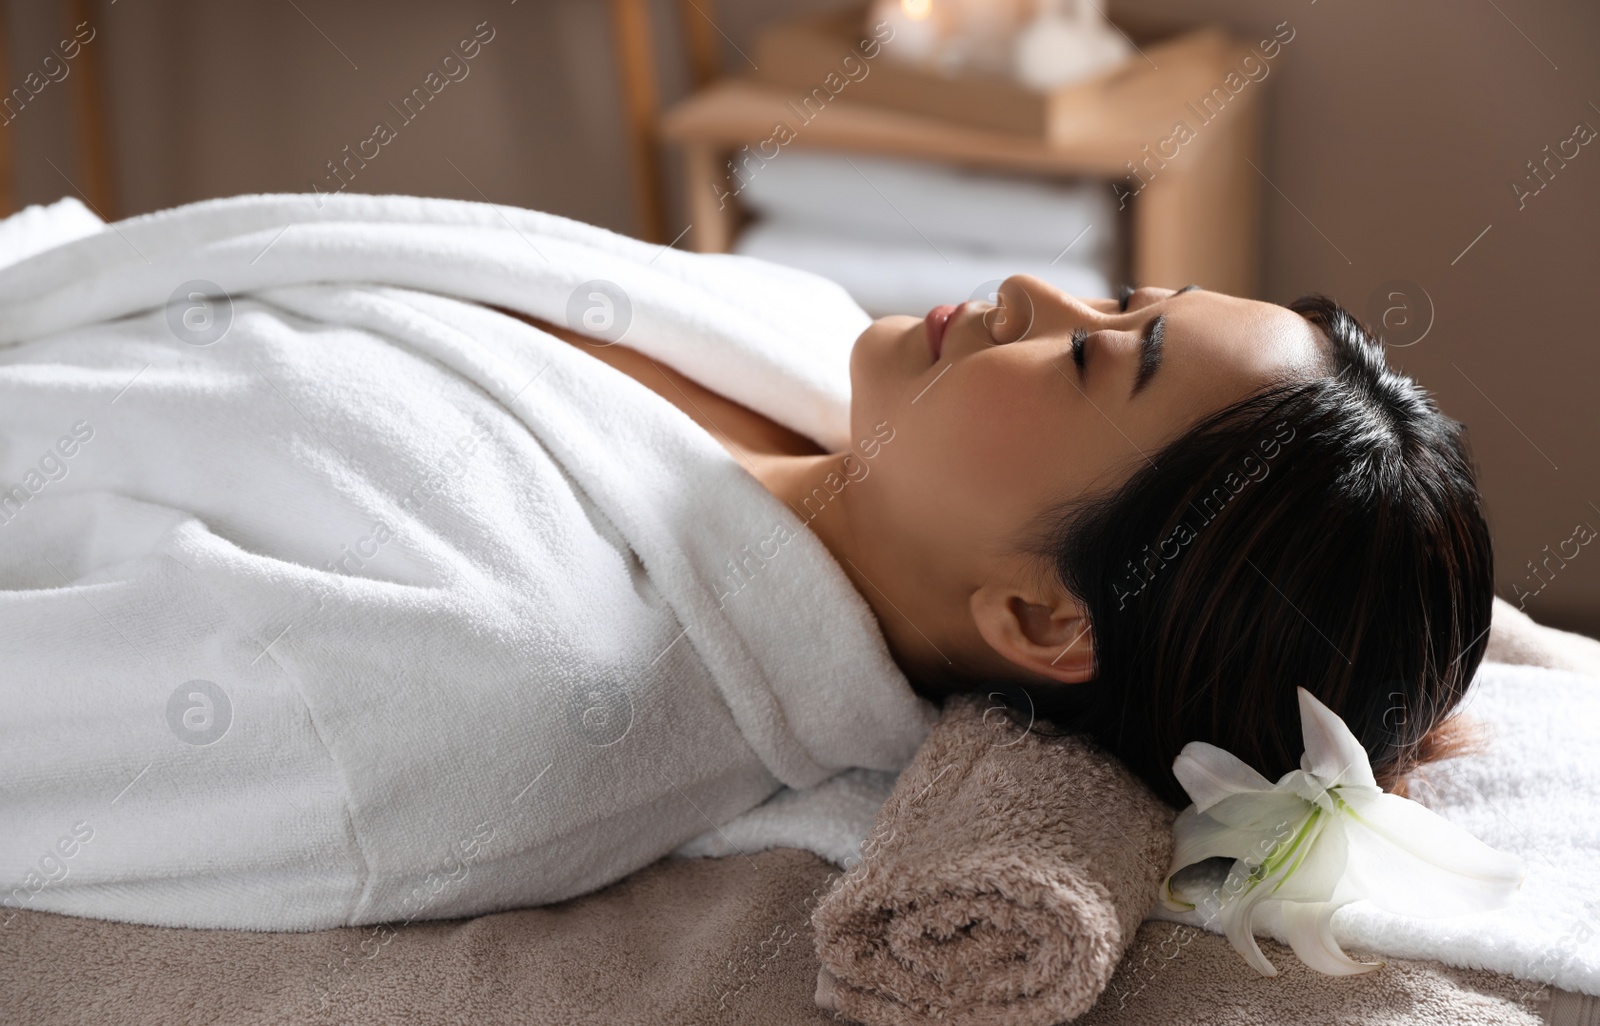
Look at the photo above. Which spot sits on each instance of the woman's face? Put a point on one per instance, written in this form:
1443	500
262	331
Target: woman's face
997	414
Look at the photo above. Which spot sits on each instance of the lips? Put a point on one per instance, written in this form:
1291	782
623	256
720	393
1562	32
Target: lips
937	321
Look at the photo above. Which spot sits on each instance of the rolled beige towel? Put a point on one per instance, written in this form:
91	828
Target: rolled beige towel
1002	882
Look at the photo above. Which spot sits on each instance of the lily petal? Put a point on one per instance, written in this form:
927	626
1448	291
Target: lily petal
1332	751
1262	813
1406	859
1197	837
1309	865
1309	927
1253	821
1238	923
1210	774
1283	874
1304	868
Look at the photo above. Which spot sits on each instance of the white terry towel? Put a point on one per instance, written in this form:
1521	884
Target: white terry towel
910	277
37	228
889	201
386	605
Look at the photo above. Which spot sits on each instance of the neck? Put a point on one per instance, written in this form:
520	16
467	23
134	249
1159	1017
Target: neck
803	482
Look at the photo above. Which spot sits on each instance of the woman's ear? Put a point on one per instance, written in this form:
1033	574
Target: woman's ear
1045	634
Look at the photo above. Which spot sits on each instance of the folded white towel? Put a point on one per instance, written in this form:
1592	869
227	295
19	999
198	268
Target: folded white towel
910	277
381	604
885	200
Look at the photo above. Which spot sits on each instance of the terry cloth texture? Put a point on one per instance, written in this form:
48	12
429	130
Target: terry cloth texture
686	942
331	596
1004	879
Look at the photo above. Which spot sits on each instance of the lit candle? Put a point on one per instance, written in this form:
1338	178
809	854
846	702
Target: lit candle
916	26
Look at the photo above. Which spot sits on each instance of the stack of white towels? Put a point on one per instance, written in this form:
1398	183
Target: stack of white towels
904	236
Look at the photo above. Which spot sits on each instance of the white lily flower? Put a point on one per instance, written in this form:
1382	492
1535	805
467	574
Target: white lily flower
1323	836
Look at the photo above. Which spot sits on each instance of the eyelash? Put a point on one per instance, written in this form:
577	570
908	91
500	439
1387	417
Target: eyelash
1124	293
1079	337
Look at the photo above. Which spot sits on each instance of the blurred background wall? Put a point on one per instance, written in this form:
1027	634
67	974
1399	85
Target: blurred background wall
1395	132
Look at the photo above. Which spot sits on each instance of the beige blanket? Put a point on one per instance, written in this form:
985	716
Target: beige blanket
685	941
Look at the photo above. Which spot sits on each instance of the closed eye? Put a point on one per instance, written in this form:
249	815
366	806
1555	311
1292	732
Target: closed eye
1079	337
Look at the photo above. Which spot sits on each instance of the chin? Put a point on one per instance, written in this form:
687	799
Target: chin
883	344
877	361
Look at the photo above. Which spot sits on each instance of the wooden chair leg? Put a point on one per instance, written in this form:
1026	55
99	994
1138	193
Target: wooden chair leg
700	39
8	199
89	99
630	23
713	213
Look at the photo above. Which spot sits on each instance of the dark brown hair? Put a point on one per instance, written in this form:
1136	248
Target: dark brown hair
1326	533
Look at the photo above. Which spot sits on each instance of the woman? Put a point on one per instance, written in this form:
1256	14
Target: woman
1150	519
335	595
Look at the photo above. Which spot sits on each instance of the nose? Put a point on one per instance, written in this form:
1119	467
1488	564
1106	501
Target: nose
1026	305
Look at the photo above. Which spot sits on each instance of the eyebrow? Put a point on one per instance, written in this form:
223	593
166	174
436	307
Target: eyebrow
1152	348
